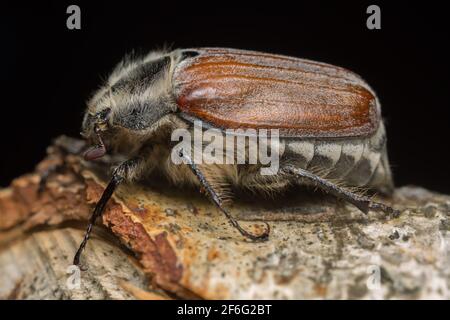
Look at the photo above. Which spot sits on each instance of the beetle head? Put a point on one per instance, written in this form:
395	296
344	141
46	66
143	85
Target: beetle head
94	127
127	110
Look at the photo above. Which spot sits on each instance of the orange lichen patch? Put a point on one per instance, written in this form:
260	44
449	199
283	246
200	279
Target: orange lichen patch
213	253
320	290
93	191
188	256
156	255
258	228
221	291
153	216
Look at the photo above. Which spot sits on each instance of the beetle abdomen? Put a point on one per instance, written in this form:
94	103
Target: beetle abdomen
360	162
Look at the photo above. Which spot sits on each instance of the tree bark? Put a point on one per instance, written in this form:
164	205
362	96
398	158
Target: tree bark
159	242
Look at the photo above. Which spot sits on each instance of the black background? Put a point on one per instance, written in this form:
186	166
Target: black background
48	71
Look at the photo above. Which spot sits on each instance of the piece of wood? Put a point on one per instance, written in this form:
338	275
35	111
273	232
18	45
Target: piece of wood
159	242
38	267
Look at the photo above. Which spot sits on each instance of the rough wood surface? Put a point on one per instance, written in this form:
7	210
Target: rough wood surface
37	267
157	242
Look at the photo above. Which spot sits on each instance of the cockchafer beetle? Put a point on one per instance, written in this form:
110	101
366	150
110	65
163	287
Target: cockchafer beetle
329	121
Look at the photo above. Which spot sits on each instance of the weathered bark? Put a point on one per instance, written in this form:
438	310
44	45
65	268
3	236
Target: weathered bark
159	242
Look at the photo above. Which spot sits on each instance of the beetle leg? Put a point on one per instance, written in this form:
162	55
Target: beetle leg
121	173
363	203
218	202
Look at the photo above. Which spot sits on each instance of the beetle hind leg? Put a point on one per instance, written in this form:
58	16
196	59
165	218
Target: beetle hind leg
363	203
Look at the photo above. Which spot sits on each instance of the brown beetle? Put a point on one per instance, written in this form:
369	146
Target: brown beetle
328	118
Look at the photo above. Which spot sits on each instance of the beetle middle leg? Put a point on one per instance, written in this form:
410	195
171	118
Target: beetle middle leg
121	173
363	203
218	202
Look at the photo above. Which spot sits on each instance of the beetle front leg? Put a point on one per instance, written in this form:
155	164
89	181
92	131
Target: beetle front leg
218	202
120	173
363	203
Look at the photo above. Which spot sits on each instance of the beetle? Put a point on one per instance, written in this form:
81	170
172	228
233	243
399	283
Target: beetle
329	121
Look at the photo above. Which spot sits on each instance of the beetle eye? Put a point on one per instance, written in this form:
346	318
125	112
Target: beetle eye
104	114
189	54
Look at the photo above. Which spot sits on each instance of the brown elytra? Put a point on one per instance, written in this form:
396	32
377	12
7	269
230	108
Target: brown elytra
233	89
